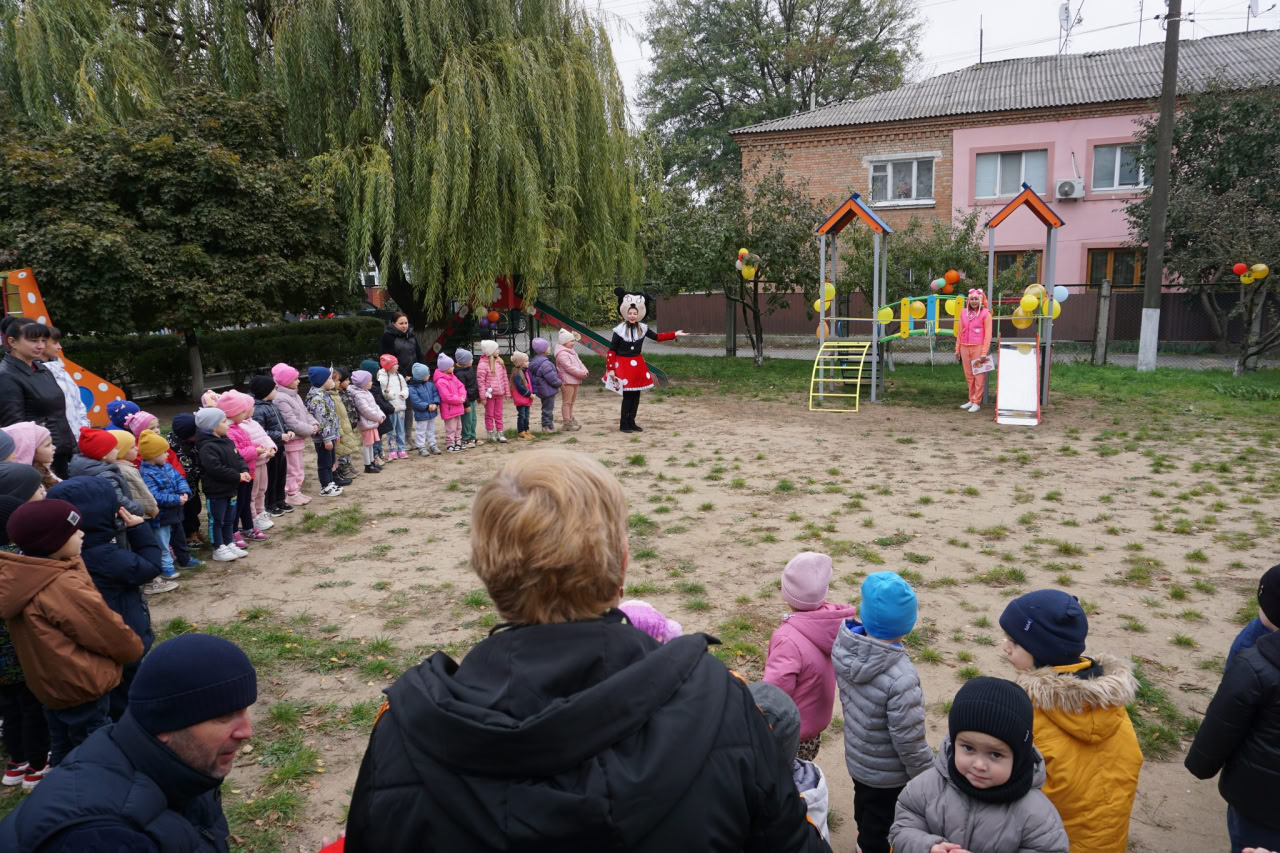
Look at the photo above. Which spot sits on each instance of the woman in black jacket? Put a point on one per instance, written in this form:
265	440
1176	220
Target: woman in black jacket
1240	735
400	341
568	729
29	392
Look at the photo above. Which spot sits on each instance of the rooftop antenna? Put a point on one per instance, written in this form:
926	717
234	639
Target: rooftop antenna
1067	21
1140	3
979	39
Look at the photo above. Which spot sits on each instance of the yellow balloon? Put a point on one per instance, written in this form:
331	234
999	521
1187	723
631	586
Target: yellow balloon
951	306
1053	308
742	252
817	306
829	291
1260	271
1028	303
884	315
748	272
1020	319
1036	290
917	310
1247	278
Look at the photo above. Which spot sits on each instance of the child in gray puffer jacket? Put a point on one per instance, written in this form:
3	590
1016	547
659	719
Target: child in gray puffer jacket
884	735
982	793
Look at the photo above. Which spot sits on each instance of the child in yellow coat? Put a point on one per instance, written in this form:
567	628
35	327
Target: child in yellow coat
1091	751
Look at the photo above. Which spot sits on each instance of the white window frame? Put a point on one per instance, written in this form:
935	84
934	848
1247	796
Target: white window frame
887	161
1022	171
1116	186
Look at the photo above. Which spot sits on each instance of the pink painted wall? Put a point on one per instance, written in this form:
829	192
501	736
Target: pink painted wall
1095	221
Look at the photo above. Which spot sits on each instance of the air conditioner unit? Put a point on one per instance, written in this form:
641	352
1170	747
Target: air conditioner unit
1071	188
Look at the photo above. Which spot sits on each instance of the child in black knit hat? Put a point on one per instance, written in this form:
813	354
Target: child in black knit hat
982	794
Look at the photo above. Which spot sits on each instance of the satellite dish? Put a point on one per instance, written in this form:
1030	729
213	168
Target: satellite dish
1064	16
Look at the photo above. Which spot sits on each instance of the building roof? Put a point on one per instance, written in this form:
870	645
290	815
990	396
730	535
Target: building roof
1238	60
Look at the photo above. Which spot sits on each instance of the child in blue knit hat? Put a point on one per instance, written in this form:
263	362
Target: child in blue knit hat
884	735
1082	729
424	399
321	406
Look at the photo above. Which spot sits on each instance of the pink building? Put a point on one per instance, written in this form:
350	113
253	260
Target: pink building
970	138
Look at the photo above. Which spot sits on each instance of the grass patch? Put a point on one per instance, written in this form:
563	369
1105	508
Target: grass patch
968	673
1158	722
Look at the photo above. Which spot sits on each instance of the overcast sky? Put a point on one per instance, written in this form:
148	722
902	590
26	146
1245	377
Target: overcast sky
1013	28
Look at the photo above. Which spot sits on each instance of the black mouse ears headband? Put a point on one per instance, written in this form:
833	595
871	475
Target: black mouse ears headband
628	298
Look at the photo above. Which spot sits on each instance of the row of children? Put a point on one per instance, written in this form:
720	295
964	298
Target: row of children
1046	762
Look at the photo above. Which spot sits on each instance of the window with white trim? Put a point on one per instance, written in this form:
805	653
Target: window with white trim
902	180
1002	174
1117	167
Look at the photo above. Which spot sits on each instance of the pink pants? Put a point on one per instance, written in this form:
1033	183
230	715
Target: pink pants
453	431
493	413
977	381
260	489
568	394
295	473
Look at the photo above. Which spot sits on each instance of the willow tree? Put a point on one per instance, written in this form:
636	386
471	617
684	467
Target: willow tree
466	140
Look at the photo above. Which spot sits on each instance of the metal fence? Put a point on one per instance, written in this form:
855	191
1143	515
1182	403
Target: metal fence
1187	339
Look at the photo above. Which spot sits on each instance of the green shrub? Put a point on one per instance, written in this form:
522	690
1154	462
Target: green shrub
159	364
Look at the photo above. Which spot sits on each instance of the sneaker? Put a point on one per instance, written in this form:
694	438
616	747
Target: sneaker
422	451
263	521
285	508
469	444
974	407
193	563
238	540
256	536
342	481
33	777
238	552
502	439
13	773
372	469
223	554
172	574
965	405
331	491
433	450
276	511
160	584
455	448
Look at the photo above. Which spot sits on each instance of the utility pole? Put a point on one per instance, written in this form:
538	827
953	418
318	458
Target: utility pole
1149	337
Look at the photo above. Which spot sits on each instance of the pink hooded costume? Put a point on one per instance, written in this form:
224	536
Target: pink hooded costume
973	340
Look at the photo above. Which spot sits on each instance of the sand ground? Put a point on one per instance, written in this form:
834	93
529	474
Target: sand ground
724	490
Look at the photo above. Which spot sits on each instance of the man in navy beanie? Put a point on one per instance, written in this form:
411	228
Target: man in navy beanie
150	782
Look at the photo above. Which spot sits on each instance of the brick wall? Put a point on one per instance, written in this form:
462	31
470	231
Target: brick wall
831	158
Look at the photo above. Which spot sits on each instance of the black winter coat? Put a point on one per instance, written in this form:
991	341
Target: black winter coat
581	736
117	572
220	465
189	455
387	409
120	790
1240	734
271	421
28	394
467	375
404	346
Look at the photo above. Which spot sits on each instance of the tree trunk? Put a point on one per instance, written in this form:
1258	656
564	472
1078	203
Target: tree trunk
759	323
197	366
1217	323
747	325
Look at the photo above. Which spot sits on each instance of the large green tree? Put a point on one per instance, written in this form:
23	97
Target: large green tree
693	241
191	217
465	140
1224	208
722	65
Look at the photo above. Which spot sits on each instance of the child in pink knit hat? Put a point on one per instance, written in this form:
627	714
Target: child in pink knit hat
799	659
643	615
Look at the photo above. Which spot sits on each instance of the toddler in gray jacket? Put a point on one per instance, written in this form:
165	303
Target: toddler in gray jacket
884	735
982	794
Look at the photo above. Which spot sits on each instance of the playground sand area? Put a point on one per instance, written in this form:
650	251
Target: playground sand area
1162	546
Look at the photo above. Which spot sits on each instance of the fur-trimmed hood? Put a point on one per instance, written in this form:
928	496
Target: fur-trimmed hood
1071	702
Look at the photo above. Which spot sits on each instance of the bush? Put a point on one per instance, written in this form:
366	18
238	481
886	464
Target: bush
159	363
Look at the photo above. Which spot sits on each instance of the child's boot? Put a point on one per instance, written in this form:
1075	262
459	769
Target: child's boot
500	436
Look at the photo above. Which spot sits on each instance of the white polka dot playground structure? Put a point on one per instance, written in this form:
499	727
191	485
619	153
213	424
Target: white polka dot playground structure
22	299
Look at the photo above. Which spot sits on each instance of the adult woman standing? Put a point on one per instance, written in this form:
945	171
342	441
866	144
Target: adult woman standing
973	341
399	341
29	392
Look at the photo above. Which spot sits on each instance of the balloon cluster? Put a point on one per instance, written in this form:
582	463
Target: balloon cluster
1250	274
947	283
744	266
828	294
1036	298
488	321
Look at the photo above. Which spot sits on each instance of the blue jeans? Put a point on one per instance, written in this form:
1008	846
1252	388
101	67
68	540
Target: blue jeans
70	727
1245	833
395	438
164	533
222	521
522	418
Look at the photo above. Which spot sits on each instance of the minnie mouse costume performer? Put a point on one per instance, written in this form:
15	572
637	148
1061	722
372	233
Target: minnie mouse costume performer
624	361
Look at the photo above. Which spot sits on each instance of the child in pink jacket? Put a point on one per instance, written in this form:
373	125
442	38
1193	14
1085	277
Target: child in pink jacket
370	414
301	424
453	399
238	409
572	371
491	378
799	659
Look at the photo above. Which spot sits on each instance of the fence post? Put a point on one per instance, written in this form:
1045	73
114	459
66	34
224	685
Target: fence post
1102	324
730	328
